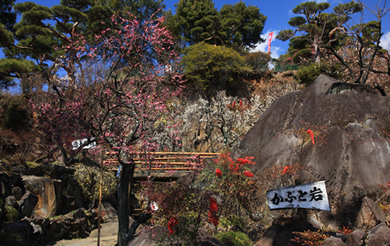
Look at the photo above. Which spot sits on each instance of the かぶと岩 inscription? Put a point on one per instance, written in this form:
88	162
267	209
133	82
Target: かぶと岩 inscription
310	195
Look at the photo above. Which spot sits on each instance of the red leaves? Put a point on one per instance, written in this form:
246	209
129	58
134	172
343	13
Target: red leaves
213	205
385	188
311	135
248	174
172	222
346	230
218	172
285	169
213	212
234	106
234	167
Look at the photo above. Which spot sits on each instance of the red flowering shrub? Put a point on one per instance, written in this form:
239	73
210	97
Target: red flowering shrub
226	179
231	186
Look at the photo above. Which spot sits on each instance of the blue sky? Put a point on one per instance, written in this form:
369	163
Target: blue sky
278	13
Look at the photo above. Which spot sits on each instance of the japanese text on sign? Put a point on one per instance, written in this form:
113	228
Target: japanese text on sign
310	195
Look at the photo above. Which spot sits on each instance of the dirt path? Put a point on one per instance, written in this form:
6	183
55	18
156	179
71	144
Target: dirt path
108	236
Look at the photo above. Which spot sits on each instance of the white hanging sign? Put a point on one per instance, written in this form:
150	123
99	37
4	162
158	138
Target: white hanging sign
77	143
310	196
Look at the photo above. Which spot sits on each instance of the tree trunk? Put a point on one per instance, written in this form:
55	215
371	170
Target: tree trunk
316	53
142	218
126	175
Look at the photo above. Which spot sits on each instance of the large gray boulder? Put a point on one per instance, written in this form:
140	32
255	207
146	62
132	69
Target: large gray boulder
351	126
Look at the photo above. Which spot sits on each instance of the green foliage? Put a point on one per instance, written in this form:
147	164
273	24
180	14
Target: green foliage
212	68
142	9
258	60
12	67
307	74
237	26
192	19
6	37
232	220
89	179
11	214
31	164
15	112
368	32
233	238
282	64
242	24
7	17
316	29
310	8
40	42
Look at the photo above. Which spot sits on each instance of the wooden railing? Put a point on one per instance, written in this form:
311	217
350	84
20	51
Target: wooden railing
161	163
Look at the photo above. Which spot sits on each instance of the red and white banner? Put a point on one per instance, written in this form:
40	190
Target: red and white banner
269	42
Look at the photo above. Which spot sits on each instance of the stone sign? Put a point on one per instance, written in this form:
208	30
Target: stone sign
310	196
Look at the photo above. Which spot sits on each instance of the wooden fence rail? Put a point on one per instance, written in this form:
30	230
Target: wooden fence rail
163	164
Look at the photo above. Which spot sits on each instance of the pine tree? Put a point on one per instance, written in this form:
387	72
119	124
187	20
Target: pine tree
36	45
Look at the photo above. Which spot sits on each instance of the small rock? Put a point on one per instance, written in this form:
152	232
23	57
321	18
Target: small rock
333	241
356	238
275	235
379	236
11	201
369	215
17	192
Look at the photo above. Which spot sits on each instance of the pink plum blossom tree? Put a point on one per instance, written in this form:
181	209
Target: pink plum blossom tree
131	86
